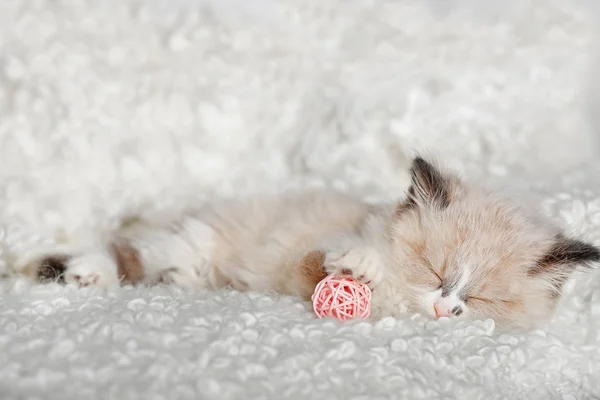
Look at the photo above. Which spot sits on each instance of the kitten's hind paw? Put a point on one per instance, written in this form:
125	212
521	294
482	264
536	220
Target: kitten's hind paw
97	268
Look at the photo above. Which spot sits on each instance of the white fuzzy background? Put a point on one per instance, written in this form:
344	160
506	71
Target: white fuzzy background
114	106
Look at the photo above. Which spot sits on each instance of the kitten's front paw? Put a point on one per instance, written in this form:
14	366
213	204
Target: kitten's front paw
189	276
361	263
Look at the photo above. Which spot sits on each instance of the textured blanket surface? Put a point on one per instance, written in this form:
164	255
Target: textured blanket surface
117	106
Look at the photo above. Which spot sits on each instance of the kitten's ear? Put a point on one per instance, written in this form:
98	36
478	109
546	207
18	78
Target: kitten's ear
564	257
428	186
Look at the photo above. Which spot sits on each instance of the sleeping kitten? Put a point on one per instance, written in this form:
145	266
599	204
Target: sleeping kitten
446	250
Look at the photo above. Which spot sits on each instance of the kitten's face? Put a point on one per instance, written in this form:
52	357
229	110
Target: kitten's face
463	253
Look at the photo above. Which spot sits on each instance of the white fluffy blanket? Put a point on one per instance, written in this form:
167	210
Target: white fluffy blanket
113	106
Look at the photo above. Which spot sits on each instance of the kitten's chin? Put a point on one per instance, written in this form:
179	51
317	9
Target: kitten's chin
389	301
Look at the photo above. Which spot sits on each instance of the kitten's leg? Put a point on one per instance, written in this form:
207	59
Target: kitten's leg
179	254
94	266
363	252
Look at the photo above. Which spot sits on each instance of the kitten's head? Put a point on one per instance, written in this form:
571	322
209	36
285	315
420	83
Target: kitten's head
464	252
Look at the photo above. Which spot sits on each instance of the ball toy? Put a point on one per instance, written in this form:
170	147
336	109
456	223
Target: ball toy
342	298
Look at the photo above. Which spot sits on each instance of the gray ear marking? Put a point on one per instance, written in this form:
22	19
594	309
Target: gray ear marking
428	185
564	257
567	252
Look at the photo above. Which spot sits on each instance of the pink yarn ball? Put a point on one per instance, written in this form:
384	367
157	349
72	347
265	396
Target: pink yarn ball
342	298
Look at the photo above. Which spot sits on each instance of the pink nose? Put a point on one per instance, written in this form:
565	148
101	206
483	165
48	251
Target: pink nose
441	310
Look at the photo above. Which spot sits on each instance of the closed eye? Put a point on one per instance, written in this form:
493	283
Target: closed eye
432	270
475	298
487	301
